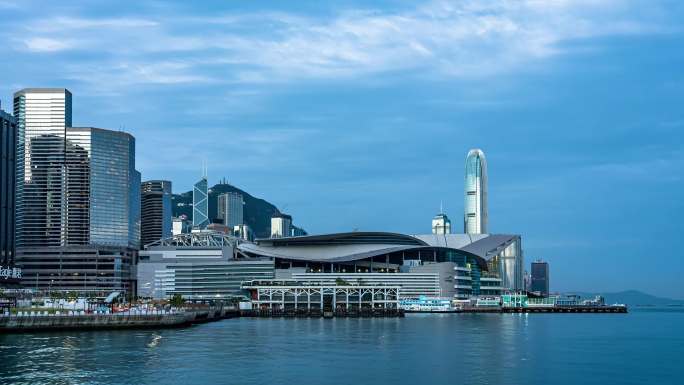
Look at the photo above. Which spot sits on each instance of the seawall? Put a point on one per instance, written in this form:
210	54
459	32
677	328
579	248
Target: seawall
124	320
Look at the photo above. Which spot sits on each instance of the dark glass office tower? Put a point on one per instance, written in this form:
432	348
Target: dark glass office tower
155	210
539	281
8	149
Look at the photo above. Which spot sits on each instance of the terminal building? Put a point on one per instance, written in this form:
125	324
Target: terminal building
445	265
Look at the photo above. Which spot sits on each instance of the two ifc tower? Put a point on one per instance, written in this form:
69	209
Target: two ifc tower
475	216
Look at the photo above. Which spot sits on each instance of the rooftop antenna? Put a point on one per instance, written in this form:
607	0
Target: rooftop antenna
441	207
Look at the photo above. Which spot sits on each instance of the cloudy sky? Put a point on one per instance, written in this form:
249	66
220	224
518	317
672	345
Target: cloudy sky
358	115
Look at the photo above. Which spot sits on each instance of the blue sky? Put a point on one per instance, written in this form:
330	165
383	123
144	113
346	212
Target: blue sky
359	115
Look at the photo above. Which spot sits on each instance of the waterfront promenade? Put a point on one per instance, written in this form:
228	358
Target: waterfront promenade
31	321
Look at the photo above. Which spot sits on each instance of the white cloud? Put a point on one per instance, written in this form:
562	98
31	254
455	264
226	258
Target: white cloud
43	44
453	39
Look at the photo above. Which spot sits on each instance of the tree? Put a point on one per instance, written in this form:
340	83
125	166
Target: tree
177	300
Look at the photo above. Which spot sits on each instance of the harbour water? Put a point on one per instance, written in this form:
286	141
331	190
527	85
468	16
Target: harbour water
644	346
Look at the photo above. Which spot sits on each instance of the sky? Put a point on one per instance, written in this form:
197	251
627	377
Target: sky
358	114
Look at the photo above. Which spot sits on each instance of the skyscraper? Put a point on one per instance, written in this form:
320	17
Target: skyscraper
80	199
539	279
200	204
230	206
155	211
8	149
281	225
475	216
441	224
42	115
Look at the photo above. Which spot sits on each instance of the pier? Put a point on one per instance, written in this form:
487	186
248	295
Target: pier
317	313
556	309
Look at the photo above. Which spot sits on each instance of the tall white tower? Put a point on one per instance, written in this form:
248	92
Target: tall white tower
475	217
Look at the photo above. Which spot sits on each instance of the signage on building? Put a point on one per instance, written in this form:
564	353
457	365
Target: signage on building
7	302
10	272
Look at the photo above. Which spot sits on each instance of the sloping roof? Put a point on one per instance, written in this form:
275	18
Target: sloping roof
335	253
325	253
355	238
490	245
482	245
454	241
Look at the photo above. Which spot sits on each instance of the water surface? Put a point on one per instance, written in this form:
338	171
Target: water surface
635	348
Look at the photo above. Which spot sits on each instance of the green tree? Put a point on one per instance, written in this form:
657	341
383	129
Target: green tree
177	300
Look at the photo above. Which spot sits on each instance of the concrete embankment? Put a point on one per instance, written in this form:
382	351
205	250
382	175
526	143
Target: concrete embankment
557	309
317	313
149	320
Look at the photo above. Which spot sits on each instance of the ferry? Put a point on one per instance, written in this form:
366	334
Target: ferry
424	304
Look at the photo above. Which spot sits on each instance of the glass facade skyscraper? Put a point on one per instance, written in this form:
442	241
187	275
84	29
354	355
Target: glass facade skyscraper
8	149
200	204
230	209
42	115
78	198
155	210
475	216
111	184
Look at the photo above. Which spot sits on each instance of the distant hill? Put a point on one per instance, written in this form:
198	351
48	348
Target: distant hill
634	298
257	212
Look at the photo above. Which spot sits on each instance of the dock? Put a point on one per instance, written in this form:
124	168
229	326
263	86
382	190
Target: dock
556	309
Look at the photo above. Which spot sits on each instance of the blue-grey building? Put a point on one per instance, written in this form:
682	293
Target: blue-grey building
230	209
8	146
155	210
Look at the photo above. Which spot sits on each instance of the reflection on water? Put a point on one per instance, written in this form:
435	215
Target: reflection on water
420	349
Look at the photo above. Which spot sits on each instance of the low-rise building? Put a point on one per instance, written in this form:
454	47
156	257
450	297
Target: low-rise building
198	266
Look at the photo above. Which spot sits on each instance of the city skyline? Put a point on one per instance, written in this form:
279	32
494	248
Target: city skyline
574	146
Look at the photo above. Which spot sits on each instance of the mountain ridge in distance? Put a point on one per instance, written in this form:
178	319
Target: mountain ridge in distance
632	298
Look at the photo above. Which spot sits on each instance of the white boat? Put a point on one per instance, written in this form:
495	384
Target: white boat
426	305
